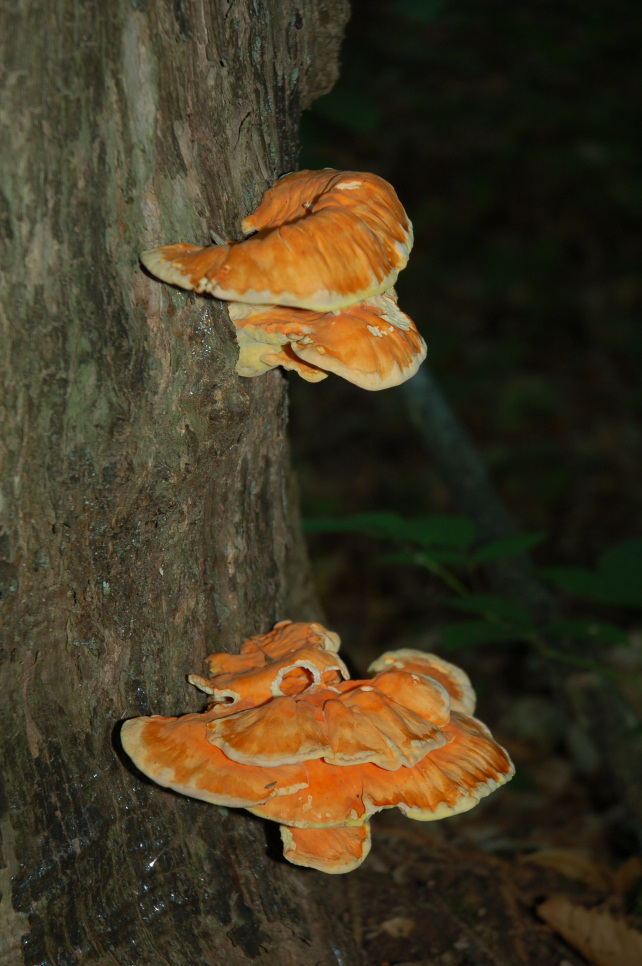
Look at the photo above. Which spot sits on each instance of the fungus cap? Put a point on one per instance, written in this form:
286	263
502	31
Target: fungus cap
324	240
318	757
286	637
432	666
297	704
291	674
176	753
372	344
446	781
332	850
357	726
283	662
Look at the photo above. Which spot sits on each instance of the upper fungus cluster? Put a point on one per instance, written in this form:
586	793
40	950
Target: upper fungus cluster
288	736
311	289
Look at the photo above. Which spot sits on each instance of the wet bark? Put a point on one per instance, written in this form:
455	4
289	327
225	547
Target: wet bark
145	517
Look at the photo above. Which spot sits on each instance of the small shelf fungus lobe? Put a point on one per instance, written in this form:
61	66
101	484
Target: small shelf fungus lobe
290	737
311	288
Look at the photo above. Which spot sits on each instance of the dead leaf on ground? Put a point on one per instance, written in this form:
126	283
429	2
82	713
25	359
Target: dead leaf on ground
398	927
627	874
597	935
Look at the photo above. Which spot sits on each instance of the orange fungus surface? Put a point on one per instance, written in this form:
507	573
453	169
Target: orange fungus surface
288	736
311	288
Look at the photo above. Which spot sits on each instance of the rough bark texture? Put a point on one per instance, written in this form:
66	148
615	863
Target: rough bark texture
144	512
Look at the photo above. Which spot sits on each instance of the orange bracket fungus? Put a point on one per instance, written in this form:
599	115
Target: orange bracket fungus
311	289
288	736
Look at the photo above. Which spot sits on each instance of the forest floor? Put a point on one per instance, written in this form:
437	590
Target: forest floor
531	877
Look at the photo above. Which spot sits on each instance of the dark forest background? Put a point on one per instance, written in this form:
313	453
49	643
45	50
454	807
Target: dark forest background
512	135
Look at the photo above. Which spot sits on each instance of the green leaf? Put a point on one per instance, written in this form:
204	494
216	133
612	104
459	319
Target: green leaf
621	569
622	558
588	630
576	660
443	531
420	558
574	580
473	633
507	546
427	532
493	609
435	556
422	11
617	580
402	557
372	524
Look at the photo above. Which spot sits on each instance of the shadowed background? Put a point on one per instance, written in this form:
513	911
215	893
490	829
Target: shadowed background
511	133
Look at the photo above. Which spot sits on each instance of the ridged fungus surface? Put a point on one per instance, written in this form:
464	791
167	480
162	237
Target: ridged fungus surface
288	736
311	288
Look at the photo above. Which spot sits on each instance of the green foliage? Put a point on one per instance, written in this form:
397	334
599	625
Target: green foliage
507	547
588	630
429	531
470	633
616	580
420	11
434	534
454	558
445	545
493	609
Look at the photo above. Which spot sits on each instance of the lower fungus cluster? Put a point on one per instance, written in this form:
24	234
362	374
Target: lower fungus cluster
372	344
288	736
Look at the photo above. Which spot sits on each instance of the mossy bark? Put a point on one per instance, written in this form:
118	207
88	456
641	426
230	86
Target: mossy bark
144	511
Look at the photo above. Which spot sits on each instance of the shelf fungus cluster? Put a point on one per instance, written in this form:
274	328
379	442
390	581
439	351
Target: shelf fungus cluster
311	288
291	738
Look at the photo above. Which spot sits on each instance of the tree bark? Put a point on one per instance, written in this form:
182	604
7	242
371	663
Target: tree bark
145	517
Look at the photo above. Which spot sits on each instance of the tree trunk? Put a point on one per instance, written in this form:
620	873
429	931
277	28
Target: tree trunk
144	511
